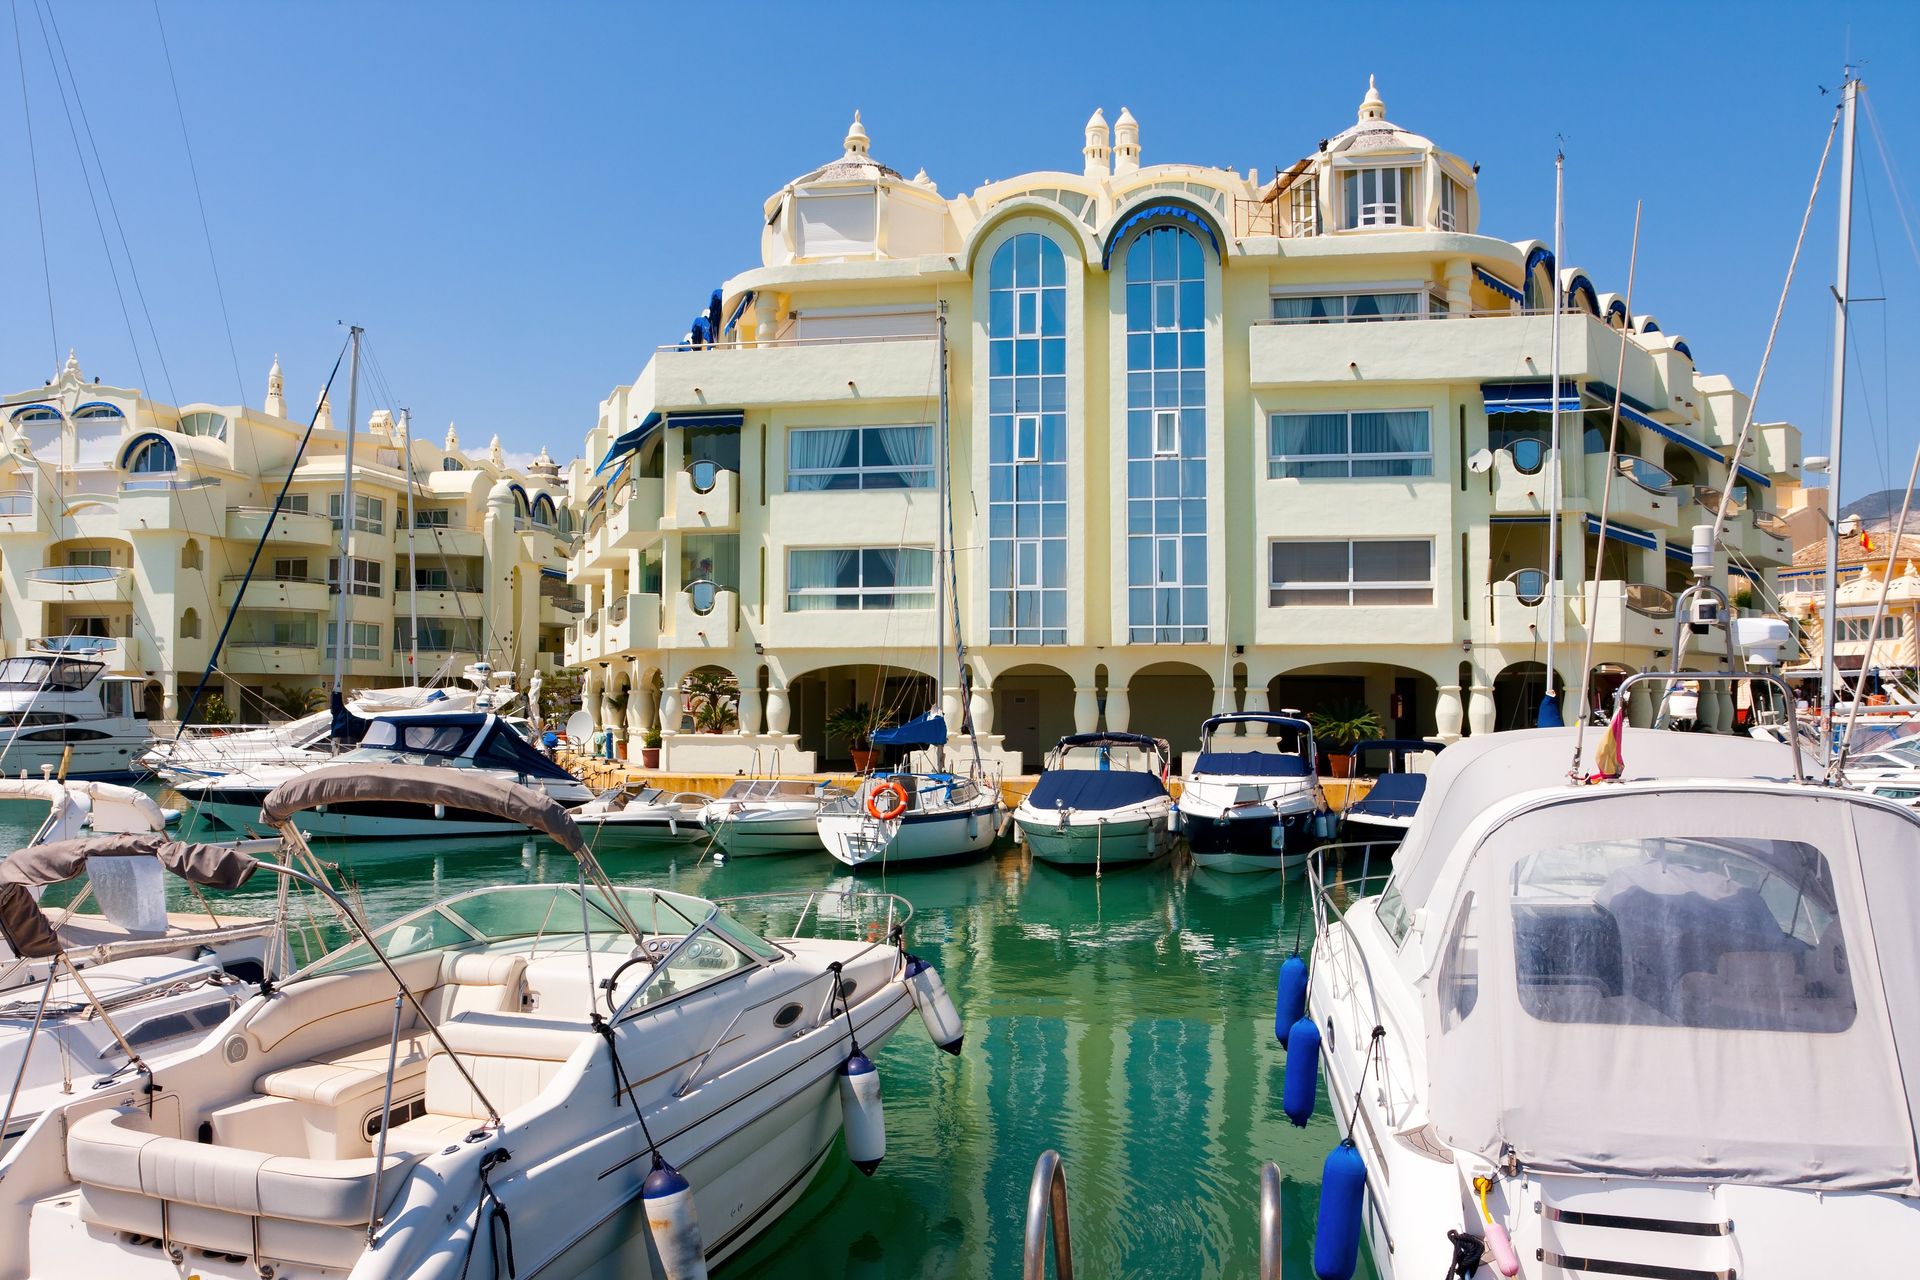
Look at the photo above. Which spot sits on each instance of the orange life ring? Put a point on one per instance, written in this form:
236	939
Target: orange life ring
898	807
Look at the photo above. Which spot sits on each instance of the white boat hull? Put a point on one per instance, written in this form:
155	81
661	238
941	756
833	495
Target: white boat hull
750	835
1084	841
110	759
335	825
858	840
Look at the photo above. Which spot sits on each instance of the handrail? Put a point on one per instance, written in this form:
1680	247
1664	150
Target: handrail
740	345
1270	1221
1047	1206
1786	697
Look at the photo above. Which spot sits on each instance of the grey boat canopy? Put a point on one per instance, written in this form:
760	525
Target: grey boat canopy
424	785
31	934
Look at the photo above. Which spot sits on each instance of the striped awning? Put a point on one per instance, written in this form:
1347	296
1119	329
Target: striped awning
1625	533
1529	397
1498	285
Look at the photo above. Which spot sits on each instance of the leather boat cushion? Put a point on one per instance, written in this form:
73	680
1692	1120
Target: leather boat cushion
480	982
341	1007
512	1057
111	1149
352	1075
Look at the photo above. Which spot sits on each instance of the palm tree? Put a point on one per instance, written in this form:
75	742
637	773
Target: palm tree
291	701
713	701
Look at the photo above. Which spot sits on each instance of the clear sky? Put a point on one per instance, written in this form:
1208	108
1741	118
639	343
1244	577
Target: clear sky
519	202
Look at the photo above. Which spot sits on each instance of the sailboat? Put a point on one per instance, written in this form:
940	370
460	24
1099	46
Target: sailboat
908	815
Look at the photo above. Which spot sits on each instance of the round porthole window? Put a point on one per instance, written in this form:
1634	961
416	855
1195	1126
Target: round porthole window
788	1015
847	987
236	1048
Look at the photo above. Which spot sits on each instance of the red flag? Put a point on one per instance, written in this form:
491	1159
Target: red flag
1608	758
1866	541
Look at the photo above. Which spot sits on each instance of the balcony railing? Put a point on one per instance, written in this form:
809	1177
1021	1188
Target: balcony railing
1645	474
81	645
77	574
167	484
1767	522
835	341
1529	585
272	577
1648	600
272	644
617	611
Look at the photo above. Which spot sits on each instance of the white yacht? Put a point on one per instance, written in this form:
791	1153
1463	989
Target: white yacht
1252	801
634	813
756	816
63	712
458	742
912	816
89	989
1398	770
550	1080
1664	1024
1101	801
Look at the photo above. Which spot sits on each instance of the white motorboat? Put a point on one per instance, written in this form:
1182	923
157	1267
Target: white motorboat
1397	767
88	988
462	742
213	753
636	814
1662	1025
1252	801
756	816
550	1080
1100	802
911	817
60	712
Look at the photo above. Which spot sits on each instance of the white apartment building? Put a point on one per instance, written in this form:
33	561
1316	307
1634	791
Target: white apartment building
127	527
1217	439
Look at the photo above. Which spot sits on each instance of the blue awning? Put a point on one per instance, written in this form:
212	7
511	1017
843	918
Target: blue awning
929	730
1683	554
1150	213
558	575
1529	397
1496	284
746	300
1625	533
708	418
629	442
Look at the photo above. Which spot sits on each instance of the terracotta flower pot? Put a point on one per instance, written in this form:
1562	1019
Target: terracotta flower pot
1339	764
649	757
863	761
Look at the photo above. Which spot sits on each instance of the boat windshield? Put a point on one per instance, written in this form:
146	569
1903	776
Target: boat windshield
511	912
447	737
59	674
767	788
1709	971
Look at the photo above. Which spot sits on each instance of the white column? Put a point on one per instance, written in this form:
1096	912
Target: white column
1448	714
636	709
1118	708
980	703
1481	715
1086	708
779	711
669	705
749	707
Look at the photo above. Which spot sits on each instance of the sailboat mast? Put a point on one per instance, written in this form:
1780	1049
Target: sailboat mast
1556	483
940	550
1829	676
343	578
413	573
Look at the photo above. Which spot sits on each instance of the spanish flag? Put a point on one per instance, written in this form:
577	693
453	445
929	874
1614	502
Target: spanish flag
1866	541
1609	759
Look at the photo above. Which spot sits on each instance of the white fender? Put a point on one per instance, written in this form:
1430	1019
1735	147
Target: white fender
930	996
668	1199
864	1116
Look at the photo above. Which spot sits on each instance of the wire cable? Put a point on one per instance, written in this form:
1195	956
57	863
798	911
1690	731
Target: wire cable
33	161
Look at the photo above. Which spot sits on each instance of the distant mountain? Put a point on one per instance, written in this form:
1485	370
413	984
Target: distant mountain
1880	510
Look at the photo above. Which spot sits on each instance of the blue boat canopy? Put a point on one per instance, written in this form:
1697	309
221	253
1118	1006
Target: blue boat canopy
1395	795
1094	789
929	730
1110	738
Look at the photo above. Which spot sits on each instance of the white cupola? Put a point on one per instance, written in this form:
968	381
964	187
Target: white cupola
1099	156
323	419
1126	143
276	402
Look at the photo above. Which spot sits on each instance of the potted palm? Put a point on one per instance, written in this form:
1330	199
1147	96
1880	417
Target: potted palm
855	724
1338	728
650	748
616	735
712	701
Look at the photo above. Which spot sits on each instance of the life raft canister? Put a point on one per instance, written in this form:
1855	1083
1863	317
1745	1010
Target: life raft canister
891	811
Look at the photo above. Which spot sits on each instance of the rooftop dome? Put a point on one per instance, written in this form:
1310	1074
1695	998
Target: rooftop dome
855	164
1372	131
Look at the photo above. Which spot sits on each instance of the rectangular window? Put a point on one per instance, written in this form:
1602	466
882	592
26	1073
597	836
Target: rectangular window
431	579
98	557
1166	307
369	514
1452	201
291	569
296	502
1377	197
857	578
363	641
1333	308
1374	444
1026	438
1856	630
432	518
1363	571
859	458
1303	208
365	577
1026	311
1166	433
1026	562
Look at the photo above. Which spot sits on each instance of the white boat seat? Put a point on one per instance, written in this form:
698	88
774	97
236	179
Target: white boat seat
111	1150
352	1074
340	1007
512	1057
425	1135
477	982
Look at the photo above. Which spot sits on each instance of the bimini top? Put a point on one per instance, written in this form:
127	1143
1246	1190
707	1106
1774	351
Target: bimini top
1110	739
31	934
477	737
1711	979
352	782
1296	763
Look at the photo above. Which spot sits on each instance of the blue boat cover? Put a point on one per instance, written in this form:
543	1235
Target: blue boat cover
1250	764
1394	795
1094	788
929	730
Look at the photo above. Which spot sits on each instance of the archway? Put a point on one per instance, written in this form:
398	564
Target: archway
823	704
1169	700
1517	694
1404	702
1032	709
709	701
1603	682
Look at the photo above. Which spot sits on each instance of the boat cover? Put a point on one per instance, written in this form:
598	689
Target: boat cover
1249	764
27	928
350	783
1394	795
929	730
1093	789
1707	981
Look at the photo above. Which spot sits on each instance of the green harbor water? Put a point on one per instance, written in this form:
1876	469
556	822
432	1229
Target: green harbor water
1125	1021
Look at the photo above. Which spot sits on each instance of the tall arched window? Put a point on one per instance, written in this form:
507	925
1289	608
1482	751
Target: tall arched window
155	458
1027	442
190	556
1166	438
190	625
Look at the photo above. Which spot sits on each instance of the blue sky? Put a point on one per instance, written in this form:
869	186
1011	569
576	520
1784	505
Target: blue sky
520	201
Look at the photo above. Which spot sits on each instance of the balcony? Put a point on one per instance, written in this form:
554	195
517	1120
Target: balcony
542	544
559	611
123	655
837	371
1517	609
1522	484
79	584
1768	540
439	540
636	522
632	623
578	647
161	504
271	657
1642	494
440	602
247	524
705	617
706	499
266	591
1629	613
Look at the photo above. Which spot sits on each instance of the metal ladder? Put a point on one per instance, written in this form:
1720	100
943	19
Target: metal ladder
1047	1209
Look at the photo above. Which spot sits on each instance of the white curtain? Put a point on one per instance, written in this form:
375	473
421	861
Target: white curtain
812	574
908	448
818	449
